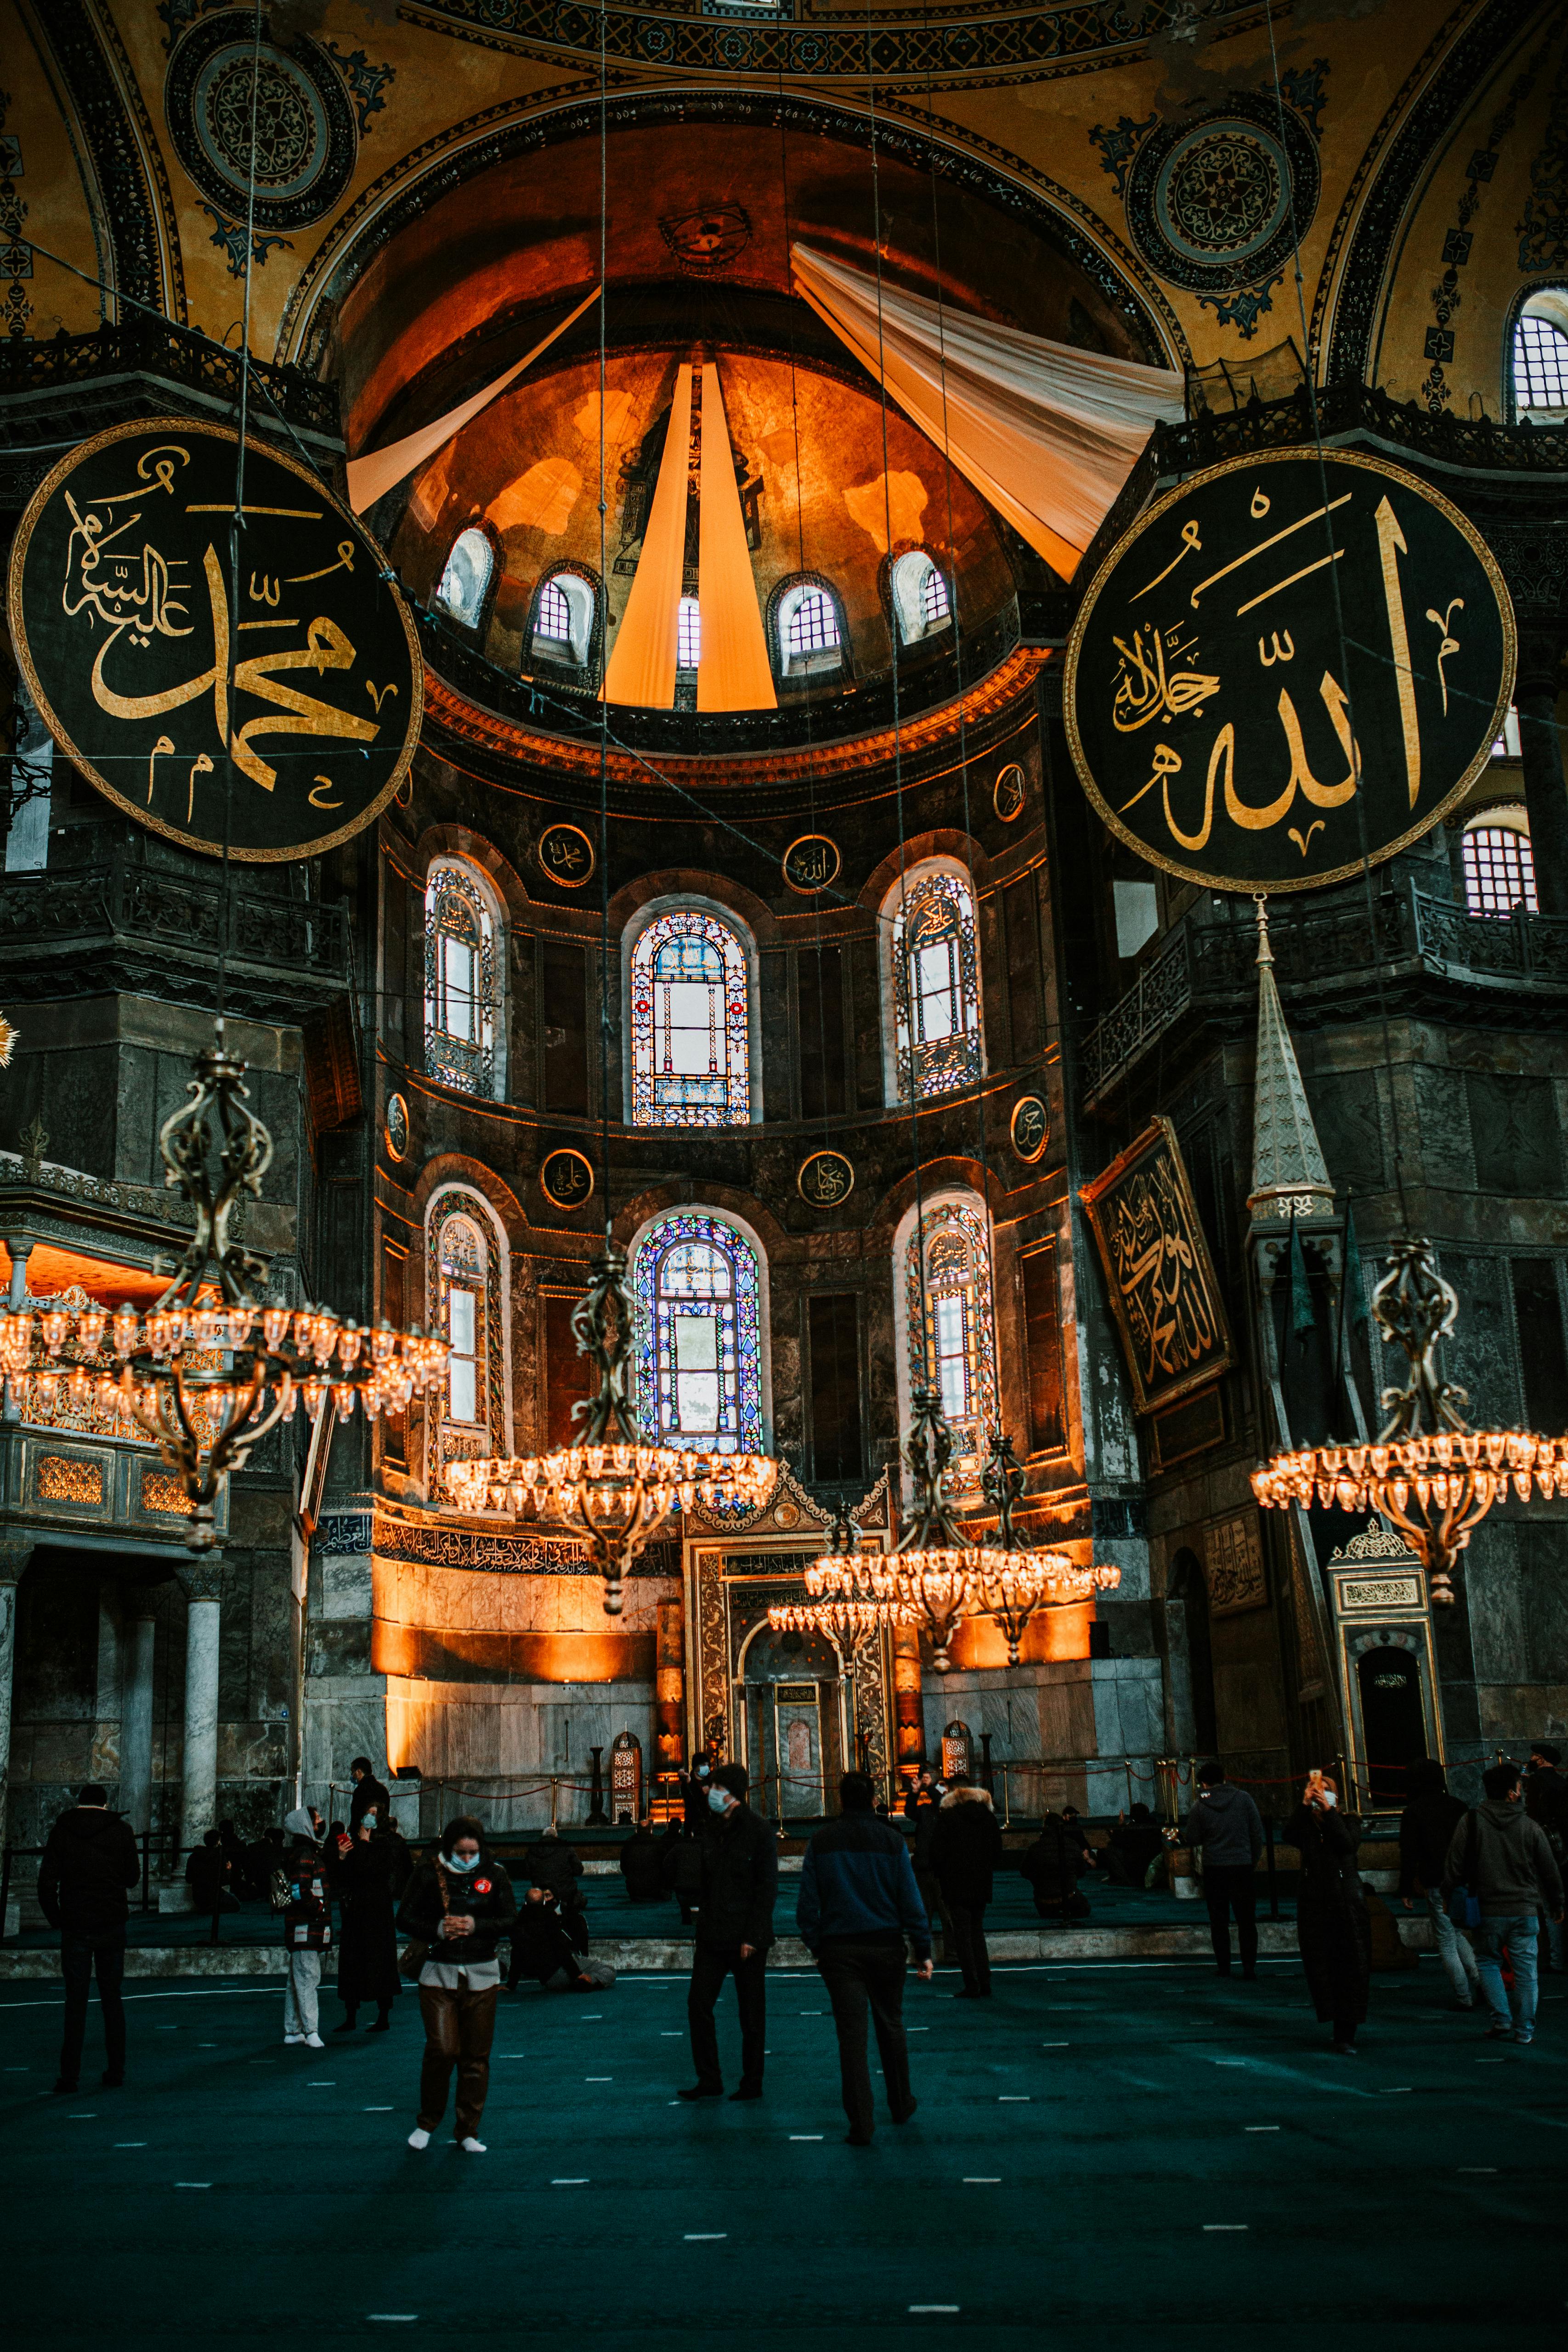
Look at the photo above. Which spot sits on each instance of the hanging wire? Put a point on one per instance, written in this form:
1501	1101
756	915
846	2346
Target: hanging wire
604	644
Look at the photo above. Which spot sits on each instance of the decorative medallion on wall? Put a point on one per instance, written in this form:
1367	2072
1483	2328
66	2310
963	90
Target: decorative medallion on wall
812	863
397	1126
566	1179
707	240
566	856
1030	1128
1007	797
306	138
825	1179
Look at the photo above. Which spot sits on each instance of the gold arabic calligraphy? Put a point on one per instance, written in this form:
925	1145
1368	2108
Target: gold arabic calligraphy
1159	1272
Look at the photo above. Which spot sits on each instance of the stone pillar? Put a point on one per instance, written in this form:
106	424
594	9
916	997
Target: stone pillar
203	1582
14	1559
1541	756
136	1712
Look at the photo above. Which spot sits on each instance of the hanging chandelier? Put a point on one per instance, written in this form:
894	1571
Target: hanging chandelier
610	1490
208	1371
1013	1580
1427	1471
853	1626
930	1570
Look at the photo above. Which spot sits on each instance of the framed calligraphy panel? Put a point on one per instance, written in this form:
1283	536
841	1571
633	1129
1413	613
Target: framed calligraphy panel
135	633
1290	665
1163	1293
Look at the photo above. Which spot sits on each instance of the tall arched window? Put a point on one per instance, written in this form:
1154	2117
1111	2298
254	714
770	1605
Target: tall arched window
808	629
563	618
1500	868
951	1328
1540	356
463	1278
698	1292
461	978
465	583
689	633
935	985
920	600
691	1024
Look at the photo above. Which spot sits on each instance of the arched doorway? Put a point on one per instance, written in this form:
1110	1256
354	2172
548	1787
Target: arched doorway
1394	1723
1188	1588
792	1709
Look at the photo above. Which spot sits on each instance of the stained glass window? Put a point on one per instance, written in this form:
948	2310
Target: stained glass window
935	987
1499	871
956	1355
698	1335
690	1044
461	593
463	1278
460	1007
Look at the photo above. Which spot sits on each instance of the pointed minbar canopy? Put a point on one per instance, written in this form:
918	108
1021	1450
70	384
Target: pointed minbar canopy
1289	1174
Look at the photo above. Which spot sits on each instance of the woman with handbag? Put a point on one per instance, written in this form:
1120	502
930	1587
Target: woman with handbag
458	1906
1332	1923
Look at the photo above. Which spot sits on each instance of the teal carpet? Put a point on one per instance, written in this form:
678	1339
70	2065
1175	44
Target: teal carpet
1105	2155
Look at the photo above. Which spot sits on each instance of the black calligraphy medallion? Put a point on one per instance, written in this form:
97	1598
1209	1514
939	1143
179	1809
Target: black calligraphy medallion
811	863
132	639
1008	794
566	1179
397	1127
1030	1128
566	856
825	1179
1289	666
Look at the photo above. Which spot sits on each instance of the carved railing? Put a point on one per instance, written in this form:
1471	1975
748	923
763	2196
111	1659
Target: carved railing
1207	437
177	912
178	354
1160	995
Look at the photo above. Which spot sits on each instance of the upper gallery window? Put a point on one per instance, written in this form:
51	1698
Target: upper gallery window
691	1023
1499	867
563	618
936	990
689	635
1541	355
460	979
810	637
698	1335
920	596
950	1325
465	583
463	1279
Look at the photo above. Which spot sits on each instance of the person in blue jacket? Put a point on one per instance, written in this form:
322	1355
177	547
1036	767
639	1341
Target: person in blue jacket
858	1900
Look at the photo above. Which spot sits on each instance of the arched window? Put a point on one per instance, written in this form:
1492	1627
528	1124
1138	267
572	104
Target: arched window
920	600
950	1328
936	990
691	1023
1499	867
1541	355
808	630
465	583
463	1278
698	1292
689	635
563	618
461	980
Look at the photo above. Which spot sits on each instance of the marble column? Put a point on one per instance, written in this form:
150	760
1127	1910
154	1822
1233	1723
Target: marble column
14	1559
136	1711
203	1582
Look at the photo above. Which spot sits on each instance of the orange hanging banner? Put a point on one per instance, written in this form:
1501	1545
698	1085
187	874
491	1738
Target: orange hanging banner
641	669
733	672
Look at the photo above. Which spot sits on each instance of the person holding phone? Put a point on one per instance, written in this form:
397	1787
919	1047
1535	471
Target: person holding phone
1332	1923
460	1905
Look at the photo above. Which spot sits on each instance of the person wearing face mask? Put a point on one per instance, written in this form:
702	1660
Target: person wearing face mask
734	1929
458	1906
694	1783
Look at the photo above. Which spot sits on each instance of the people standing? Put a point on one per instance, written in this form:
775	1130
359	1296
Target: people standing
368	1792
1227	1828
1332	1923
923	1802
965	1848
1506	1861
460	1905
1426	1829
858	1900
367	1949
90	1863
693	1784
307	1925
734	1929
1546	1802
207	1872
640	1866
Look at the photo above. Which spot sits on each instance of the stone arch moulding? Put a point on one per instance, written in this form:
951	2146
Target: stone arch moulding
752	1237
459	841
940	1196
458	1194
905	878
500	915
500	134
706	902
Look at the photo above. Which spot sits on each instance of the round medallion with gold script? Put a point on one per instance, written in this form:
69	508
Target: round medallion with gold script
812	863
566	1179
1292	664
825	1179
397	1127
566	855
1007	794
1030	1128
134	633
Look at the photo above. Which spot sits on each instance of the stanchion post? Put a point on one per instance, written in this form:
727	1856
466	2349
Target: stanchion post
1273	1876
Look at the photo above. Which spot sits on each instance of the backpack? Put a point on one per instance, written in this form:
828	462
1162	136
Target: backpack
1463	1906
279	1890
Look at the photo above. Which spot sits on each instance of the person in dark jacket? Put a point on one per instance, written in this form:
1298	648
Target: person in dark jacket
1228	1828
1506	1861
923	1802
1426	1829
1332	1923
207	1874
734	1929
1051	1867
307	1924
1087	1859
550	1862
89	1863
1546	1802
694	1784
1134	1843
236	1856
640	1866
367	1949
965	1848
542	1948
857	1902
460	1904
368	1792
680	1867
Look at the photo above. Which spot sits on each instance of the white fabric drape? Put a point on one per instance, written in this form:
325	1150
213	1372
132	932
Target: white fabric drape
732	671
1047	433
643	660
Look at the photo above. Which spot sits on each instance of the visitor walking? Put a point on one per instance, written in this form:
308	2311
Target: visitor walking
1506	1861
1426	1829
307	1910
367	1901
1332	1923
857	1902
965	1848
1228	1828
458	1906
90	1863
640	1866
368	1792
734	1929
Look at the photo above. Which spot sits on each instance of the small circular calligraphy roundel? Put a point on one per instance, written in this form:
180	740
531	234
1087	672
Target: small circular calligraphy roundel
1007	794
397	1126
146	650
825	1179
1293	664
811	863
566	1179
1031	1127
566	856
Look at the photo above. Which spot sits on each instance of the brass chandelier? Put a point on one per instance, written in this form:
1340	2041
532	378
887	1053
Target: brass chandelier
209	1369
610	1490
1427	1470
1013	1580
